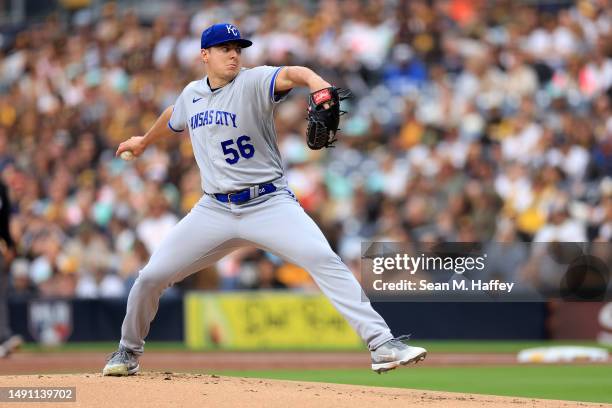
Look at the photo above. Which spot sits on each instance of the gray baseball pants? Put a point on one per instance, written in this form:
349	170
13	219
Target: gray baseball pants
274	222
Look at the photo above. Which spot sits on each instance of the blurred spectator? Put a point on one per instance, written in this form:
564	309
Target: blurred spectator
158	222
8	340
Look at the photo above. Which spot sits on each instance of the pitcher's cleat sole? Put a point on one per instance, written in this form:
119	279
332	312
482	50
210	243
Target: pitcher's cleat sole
384	367
119	371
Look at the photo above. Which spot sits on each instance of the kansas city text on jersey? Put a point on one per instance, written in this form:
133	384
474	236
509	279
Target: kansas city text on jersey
212	117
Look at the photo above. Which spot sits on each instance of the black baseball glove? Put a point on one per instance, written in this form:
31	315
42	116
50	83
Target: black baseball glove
324	116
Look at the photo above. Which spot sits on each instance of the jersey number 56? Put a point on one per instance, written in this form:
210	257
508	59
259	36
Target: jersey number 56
245	149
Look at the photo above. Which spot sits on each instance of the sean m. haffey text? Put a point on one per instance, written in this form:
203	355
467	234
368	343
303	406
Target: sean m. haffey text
457	264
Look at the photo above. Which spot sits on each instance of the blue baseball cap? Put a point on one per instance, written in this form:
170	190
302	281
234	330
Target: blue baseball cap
221	33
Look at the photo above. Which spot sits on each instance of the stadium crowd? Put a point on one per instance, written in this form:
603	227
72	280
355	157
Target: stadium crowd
472	121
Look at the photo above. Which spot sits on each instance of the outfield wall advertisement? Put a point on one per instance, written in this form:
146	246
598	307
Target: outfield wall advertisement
265	320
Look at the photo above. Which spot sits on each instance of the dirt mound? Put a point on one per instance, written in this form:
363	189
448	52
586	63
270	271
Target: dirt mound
164	389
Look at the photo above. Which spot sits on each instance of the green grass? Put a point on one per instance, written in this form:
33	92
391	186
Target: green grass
433	346
498	346
591	383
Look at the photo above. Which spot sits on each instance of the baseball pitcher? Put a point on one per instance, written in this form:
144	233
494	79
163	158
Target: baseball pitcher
229	117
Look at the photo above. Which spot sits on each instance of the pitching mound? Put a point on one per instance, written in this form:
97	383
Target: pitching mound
156	389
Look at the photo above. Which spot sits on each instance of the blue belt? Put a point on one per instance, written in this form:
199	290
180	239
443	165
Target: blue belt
245	195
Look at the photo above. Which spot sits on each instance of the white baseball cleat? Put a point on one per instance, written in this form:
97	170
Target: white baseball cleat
394	353
121	363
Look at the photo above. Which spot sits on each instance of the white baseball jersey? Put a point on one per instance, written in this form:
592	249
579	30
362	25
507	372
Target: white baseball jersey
234	148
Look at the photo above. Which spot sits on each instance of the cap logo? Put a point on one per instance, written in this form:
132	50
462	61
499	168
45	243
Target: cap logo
231	29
